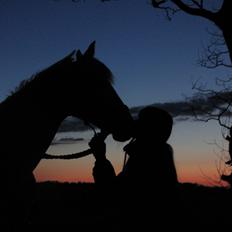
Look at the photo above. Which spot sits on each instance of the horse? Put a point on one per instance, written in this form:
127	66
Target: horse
78	85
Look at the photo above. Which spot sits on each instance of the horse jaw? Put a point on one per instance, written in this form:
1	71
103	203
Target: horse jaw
124	131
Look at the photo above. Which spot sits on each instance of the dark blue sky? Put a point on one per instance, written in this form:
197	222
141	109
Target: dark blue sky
154	60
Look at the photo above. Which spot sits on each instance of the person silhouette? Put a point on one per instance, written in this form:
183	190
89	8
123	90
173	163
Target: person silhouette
149	179
103	170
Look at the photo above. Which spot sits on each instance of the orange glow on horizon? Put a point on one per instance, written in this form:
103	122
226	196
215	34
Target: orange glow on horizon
194	157
83	173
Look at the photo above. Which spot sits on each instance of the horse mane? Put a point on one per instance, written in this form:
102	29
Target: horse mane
22	84
27	84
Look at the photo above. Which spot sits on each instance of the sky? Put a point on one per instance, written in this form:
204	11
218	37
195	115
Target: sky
153	60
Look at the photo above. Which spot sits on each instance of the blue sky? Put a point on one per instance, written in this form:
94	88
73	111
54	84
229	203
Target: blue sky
153	60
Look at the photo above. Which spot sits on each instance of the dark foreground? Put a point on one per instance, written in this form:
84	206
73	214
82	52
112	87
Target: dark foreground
78	206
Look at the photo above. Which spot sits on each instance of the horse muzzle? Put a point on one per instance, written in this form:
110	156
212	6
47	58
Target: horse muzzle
123	132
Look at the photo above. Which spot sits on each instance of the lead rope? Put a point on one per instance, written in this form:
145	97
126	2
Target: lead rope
78	154
91	126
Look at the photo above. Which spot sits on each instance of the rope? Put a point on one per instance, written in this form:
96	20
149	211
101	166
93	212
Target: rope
78	154
68	156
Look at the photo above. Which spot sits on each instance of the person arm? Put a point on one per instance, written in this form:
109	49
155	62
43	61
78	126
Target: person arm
103	171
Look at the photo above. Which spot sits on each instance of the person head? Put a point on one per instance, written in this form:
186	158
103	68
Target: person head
153	123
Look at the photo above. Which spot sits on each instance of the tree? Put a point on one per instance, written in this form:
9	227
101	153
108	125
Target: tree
221	17
207	105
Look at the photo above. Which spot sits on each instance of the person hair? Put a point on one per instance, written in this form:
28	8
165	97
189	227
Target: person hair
154	122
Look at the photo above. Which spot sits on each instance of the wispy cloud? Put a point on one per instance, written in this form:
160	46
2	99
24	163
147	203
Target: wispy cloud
66	140
180	110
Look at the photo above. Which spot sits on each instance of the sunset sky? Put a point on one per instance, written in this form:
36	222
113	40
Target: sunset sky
153	60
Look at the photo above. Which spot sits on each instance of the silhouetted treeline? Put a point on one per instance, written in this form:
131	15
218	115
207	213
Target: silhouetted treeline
79	204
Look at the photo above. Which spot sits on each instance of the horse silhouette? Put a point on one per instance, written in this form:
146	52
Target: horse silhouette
78	85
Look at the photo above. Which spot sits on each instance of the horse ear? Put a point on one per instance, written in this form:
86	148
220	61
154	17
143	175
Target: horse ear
78	54
70	55
90	51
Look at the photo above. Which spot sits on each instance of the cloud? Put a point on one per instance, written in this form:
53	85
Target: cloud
66	140
200	104
73	124
179	110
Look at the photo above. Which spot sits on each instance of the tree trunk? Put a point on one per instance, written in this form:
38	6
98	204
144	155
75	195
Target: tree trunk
222	19
227	33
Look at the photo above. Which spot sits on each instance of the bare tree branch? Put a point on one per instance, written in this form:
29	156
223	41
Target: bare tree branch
215	54
220	18
208	104
197	11
170	11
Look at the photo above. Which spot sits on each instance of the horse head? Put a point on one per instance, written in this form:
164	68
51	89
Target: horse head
93	98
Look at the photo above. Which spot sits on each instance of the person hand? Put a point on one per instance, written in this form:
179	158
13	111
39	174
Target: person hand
98	147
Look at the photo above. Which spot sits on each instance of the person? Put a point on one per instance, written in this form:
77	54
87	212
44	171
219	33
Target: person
148	180
103	170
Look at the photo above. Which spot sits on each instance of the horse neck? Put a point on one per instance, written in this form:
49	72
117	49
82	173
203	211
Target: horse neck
38	101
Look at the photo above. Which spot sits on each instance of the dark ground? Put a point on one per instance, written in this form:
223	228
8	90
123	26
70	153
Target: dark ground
78	206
